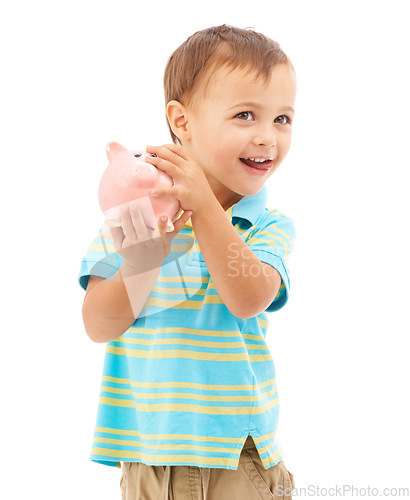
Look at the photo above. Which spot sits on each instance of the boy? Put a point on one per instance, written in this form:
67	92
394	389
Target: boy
188	377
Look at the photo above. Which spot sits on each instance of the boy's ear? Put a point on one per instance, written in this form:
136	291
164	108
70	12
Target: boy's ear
178	119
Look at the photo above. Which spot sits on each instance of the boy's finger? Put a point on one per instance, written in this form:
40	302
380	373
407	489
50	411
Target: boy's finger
138	222
162	223
178	224
126	223
162	226
186	215
117	236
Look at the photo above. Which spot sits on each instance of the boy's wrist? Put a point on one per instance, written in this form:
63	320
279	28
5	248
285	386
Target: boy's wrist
205	210
129	271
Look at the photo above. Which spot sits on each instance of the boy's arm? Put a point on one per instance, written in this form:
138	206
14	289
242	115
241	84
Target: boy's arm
111	305
246	285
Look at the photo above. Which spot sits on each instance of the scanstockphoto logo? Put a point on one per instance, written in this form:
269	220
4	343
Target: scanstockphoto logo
238	265
344	490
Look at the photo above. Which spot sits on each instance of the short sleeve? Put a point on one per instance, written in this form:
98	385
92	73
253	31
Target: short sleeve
100	259
272	242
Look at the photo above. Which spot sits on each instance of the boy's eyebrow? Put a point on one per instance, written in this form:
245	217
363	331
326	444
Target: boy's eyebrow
257	105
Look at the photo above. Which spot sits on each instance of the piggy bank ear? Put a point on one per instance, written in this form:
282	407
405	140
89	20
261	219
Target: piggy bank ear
113	148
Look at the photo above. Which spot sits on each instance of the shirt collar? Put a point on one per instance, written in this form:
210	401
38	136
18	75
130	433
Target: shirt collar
249	207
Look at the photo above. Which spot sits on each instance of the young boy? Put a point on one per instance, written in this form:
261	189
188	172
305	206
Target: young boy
188	377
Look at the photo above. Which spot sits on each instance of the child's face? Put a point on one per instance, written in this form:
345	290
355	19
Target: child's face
241	118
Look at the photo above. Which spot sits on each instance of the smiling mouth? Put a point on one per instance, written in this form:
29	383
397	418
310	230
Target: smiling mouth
259	163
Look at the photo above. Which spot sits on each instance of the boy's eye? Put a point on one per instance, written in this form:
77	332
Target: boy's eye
284	117
245	115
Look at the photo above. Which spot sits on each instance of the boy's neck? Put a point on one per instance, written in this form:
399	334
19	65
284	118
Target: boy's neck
226	201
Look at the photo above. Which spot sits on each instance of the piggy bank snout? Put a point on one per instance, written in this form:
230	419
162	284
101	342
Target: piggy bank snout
143	175
129	177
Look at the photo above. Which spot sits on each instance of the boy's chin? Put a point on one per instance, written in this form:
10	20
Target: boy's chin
247	190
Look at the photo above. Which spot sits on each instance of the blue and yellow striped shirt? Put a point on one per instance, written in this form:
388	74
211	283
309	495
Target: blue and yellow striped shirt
188	381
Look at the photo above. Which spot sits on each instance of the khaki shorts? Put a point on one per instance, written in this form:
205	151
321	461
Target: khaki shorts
251	481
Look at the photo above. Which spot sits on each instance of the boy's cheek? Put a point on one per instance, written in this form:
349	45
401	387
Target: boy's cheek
284	150
219	155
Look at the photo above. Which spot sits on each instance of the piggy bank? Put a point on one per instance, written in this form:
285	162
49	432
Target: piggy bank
128	178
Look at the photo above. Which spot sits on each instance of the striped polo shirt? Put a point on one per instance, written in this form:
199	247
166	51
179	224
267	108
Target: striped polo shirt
189	381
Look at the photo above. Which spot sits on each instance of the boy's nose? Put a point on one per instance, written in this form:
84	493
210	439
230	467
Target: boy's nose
265	138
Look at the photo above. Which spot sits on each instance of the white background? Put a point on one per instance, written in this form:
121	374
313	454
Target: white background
78	74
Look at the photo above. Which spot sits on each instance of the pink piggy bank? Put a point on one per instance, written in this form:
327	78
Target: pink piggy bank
129	179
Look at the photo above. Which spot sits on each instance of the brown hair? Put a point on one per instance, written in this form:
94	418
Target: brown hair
212	48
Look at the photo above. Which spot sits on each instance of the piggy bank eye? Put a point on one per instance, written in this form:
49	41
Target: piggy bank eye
152	154
137	155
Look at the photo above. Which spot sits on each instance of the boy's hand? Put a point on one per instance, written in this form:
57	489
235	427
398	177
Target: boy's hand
191	187
142	247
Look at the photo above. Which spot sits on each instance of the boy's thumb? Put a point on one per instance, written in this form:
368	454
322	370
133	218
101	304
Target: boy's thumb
179	224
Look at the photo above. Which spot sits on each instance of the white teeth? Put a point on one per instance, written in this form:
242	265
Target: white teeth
259	160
